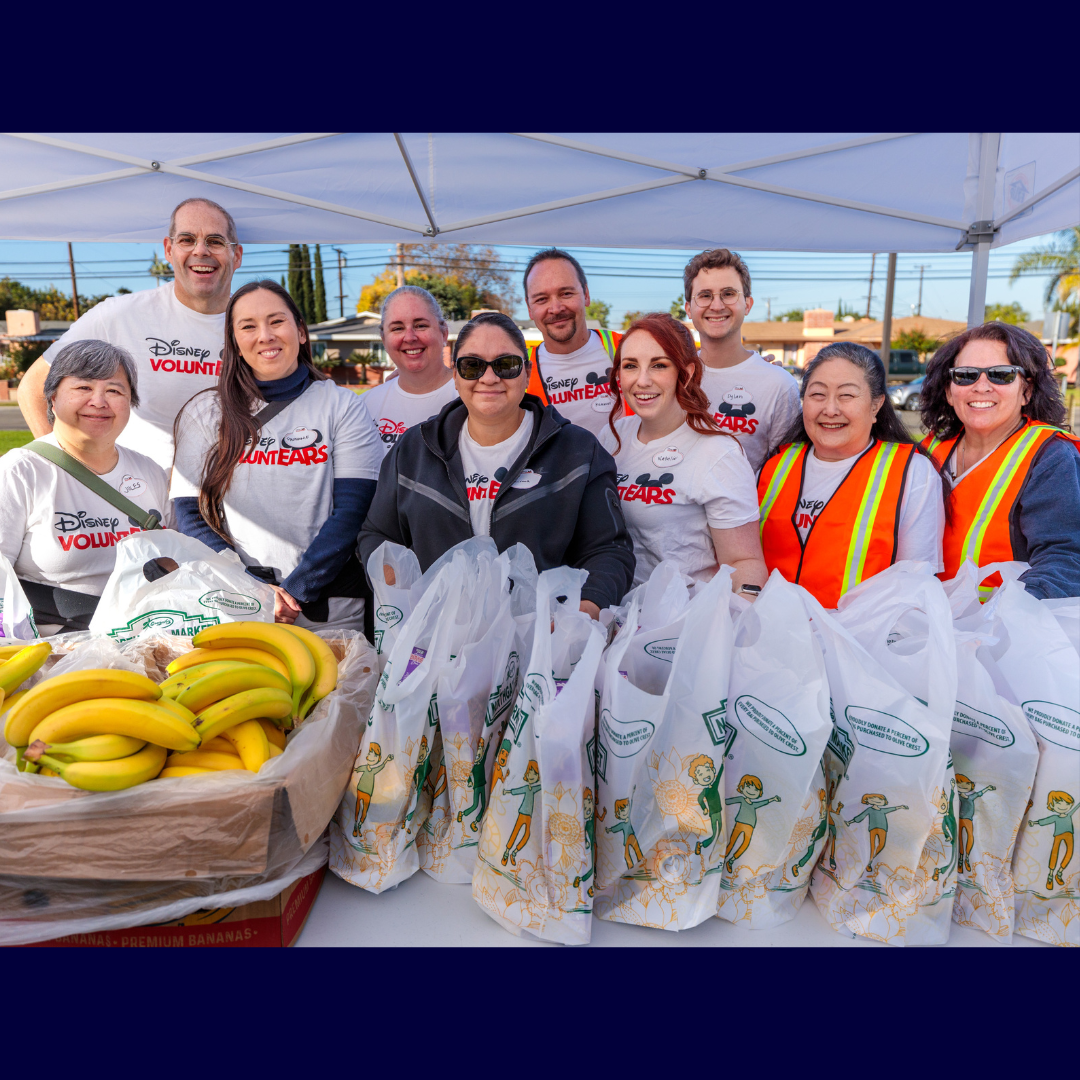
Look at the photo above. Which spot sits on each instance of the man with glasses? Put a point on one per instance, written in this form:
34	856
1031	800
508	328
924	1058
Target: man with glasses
571	369
175	333
755	400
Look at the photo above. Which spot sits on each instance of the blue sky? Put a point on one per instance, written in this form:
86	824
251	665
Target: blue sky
626	279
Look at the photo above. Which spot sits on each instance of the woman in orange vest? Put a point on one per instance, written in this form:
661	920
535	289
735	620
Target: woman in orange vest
994	412
848	493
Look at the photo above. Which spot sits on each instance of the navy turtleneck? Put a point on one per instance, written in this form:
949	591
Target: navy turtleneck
290	386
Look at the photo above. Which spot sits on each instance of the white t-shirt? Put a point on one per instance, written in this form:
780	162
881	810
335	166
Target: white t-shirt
283	491
674	489
756	401
922	512
177	353
55	531
486	467
577	383
394	411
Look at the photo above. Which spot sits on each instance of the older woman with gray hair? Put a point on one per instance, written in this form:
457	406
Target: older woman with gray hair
58	533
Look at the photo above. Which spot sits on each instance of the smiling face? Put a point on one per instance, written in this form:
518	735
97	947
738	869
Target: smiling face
373	756
490	398
413	336
877	802
648	379
704	775
94	408
531	774
1060	806
750	790
838	410
715	319
202	280
984	407
266	334
557	301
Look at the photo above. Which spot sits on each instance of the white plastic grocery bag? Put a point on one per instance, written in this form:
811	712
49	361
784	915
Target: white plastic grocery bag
659	760
535	858
895	837
16	614
373	836
207	588
393	603
778	705
1037	659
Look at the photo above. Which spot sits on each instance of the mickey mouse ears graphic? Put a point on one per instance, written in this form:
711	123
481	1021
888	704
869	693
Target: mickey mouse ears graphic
644	480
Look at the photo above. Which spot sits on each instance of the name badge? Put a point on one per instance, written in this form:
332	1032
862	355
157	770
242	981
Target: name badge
670	455
527	479
602	403
132	485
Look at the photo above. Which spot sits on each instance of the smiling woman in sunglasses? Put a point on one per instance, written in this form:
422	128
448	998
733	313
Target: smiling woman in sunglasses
499	463
994	412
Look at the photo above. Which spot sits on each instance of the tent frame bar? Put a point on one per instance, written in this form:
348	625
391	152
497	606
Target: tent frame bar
433	230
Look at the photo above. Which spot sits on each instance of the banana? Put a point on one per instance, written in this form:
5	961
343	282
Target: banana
21	764
218	745
176	684
117	716
182	770
115	775
223	684
14	672
250	705
56	693
203	759
274	639
275	751
251	744
326	667
176	709
273	733
8	651
244	656
48	772
95	748
8	701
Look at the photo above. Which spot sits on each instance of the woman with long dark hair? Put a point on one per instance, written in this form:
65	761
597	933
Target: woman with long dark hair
686	488
279	464
848	493
994	414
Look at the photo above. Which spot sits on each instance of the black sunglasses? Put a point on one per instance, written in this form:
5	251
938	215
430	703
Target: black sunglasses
472	368
1001	375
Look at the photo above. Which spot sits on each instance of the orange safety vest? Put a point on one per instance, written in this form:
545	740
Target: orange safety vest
981	503
854	536
610	341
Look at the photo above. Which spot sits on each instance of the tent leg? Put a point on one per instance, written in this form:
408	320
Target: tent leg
980	266
984	213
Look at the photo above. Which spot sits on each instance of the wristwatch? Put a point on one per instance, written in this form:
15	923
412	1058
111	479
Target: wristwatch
750	590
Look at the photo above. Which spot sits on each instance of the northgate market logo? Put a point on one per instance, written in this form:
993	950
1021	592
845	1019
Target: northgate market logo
181	359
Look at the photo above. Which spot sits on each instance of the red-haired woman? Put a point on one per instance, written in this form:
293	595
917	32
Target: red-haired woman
687	490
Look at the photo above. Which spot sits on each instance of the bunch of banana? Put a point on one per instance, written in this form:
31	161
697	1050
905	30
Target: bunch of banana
18	662
306	660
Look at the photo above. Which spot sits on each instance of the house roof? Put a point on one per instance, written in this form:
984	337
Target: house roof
862	330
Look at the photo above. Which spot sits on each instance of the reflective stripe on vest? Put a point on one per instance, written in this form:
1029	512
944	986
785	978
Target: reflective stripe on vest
536	382
855	563
788	458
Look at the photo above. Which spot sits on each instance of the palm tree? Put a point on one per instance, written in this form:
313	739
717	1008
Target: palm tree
1062	259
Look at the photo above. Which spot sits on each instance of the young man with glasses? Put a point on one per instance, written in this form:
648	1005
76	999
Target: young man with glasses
755	400
571	368
175	333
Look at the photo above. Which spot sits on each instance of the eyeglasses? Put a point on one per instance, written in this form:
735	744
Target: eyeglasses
216	245
1001	375
727	296
472	368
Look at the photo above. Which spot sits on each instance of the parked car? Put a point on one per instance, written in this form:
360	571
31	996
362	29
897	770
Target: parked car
906	395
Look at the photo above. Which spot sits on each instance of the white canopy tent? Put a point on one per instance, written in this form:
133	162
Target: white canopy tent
794	192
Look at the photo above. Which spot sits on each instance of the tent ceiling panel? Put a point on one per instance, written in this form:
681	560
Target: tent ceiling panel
803	191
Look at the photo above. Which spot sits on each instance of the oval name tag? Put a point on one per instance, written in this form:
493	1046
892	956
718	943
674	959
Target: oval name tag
670	455
527	479
602	403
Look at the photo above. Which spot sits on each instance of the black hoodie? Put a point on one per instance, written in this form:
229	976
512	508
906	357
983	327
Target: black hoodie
571	518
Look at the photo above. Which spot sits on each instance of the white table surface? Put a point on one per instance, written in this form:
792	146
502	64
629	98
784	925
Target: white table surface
423	912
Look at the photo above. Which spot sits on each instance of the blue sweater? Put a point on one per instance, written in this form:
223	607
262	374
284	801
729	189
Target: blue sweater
334	543
1044	523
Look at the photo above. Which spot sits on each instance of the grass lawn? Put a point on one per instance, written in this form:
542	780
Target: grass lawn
11	439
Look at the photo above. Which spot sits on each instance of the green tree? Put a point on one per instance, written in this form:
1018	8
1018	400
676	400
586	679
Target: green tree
294	273
794	315
917	340
599	311
1062	258
307	286
842	310
629	317
678	310
50	304
1009	313
320	288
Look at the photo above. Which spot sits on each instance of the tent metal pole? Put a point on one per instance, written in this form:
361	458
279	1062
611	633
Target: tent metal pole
984	214
886	321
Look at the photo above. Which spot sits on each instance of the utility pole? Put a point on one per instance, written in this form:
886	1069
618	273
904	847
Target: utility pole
340	286
870	291
768	306
400	265
886	322
919	308
74	286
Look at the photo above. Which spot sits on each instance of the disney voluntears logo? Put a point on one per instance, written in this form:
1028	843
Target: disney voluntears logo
808	512
300	446
80	531
391	430
171	356
735	411
647	490
597	389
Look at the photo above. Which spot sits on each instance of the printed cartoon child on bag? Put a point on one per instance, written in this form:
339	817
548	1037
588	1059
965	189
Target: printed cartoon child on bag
1062	807
968	795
